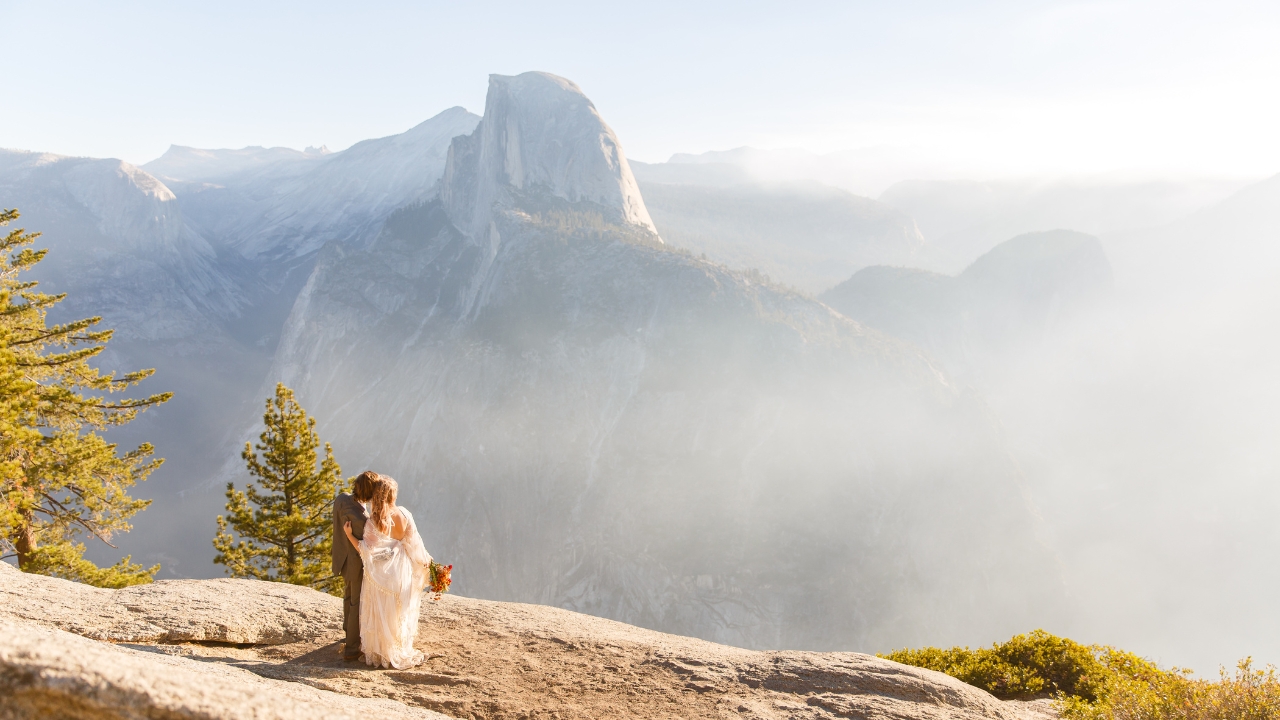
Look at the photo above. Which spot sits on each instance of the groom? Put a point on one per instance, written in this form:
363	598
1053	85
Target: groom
346	559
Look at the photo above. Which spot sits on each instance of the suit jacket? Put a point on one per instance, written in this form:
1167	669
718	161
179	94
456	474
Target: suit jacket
346	508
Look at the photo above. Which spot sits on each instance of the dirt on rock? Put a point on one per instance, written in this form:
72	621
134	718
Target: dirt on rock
497	660
507	660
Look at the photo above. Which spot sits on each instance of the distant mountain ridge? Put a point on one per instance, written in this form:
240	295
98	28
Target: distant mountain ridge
283	204
1010	297
802	234
104	220
964	219
181	164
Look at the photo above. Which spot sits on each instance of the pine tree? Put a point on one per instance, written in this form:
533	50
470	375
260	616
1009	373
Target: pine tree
284	528
60	478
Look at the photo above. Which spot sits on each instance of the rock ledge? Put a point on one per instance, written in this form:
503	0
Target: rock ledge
249	649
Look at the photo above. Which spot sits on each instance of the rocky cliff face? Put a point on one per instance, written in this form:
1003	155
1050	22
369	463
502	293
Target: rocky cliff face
586	418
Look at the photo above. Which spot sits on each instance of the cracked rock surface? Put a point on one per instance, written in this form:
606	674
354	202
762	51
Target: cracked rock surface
49	673
223	610
485	660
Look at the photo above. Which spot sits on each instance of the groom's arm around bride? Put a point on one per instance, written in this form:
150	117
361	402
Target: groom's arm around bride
346	559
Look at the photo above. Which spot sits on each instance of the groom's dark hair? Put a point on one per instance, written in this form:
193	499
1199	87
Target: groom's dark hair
362	488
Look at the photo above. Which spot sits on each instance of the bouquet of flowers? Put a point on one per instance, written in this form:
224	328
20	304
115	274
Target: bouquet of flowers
439	580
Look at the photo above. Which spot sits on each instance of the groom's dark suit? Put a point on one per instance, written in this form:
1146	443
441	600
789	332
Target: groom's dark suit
346	562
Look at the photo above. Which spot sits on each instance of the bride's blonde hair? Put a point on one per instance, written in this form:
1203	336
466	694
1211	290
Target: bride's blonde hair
384	499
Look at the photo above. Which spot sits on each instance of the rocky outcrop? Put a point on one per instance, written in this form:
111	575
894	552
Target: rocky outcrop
485	660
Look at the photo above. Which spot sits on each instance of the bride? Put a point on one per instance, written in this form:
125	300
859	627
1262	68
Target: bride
396	569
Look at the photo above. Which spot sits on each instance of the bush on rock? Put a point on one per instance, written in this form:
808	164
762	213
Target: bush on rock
1099	682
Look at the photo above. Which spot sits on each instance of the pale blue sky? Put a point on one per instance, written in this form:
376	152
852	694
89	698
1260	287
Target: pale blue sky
984	88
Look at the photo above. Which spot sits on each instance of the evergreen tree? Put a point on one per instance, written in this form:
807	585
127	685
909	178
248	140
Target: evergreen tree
60	478
284	527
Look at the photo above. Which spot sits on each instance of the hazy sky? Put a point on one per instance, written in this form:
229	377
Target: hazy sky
980	88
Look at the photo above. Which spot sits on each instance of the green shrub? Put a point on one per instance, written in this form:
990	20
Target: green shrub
1028	666
1249	694
1097	682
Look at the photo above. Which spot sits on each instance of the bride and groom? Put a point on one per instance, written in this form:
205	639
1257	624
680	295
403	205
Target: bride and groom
384	566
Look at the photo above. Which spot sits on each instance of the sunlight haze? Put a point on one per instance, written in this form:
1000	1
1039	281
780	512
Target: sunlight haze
933	89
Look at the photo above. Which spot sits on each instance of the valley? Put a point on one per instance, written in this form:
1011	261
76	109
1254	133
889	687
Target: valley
766	414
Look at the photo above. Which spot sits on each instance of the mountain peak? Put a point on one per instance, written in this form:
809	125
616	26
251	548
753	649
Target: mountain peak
539	133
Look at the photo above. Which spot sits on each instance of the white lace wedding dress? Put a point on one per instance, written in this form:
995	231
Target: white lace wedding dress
395	573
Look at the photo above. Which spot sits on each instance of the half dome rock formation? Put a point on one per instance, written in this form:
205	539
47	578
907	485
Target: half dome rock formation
590	419
540	134
485	660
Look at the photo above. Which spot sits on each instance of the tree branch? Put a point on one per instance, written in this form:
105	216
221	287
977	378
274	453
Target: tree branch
76	517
